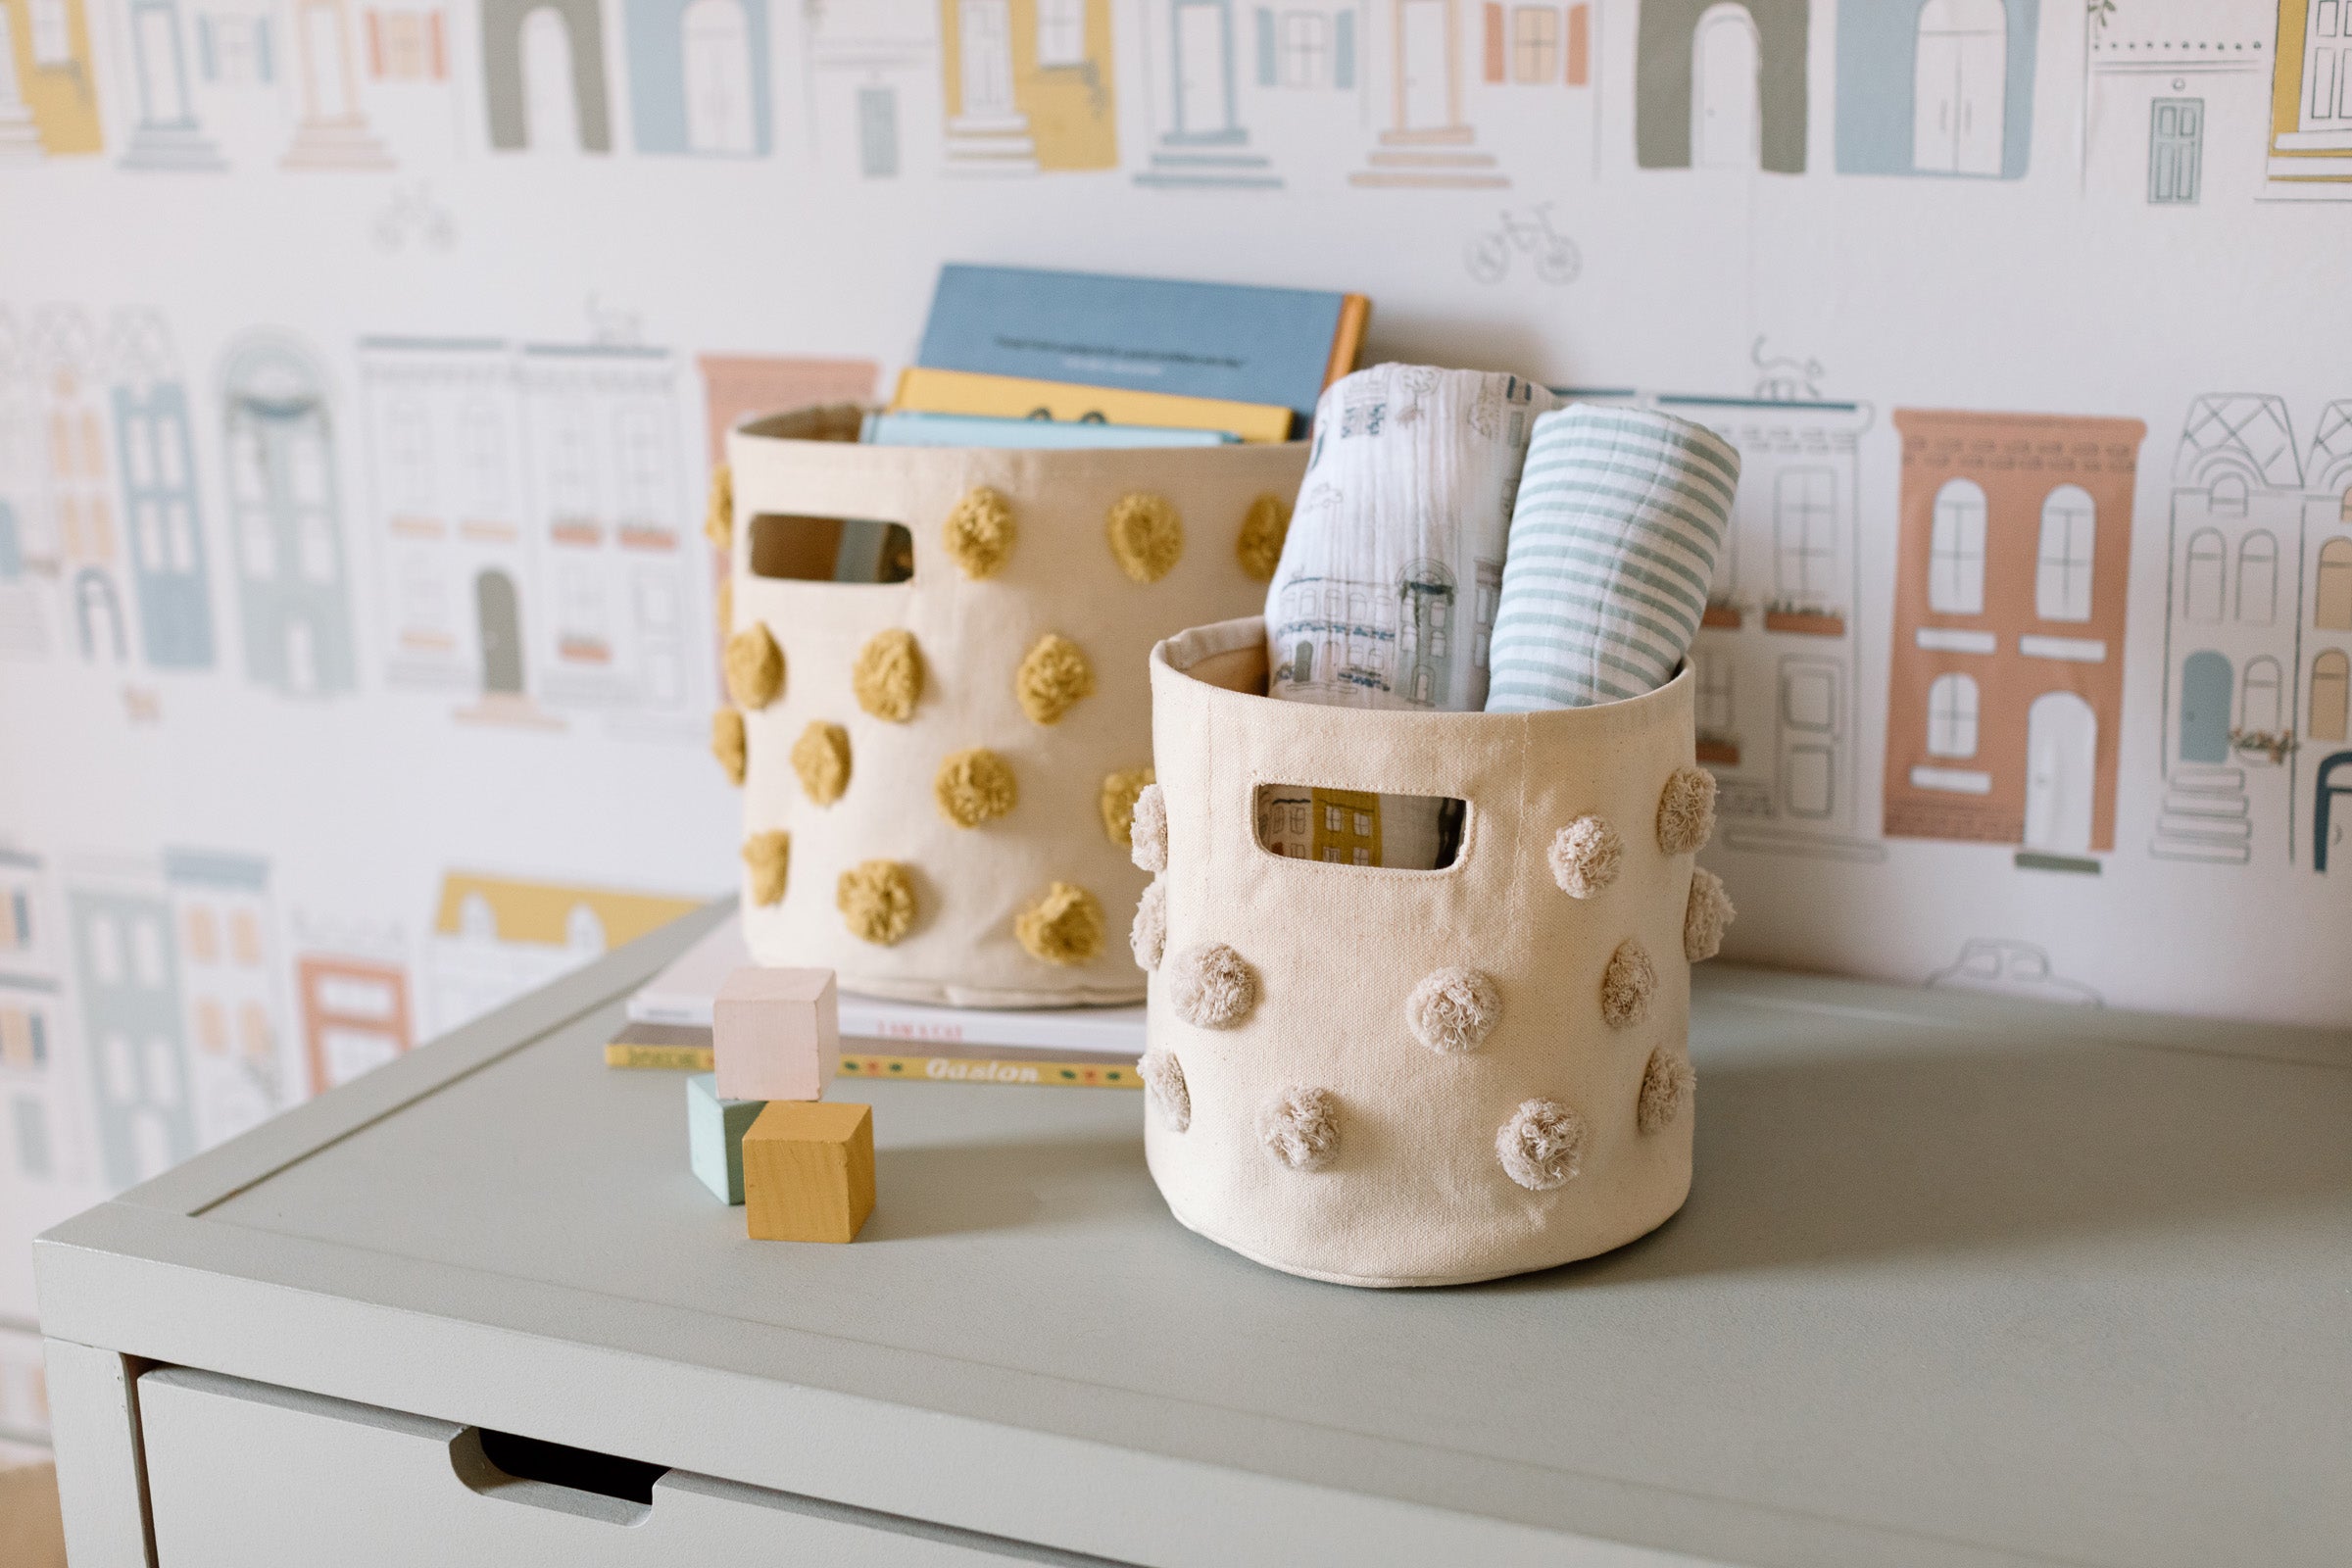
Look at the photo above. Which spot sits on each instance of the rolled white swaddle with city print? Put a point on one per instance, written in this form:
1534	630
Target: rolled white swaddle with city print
1621	515
1386	592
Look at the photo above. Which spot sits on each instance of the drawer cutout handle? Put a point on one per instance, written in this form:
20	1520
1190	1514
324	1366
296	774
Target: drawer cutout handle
513	1468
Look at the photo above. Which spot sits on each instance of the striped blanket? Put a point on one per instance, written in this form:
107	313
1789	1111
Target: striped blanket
1620	517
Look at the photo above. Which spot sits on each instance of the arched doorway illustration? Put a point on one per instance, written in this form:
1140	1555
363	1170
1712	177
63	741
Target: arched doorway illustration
1726	123
2062	749
1960	87
551	108
717	65
2332	812
2205	692
98	614
498	615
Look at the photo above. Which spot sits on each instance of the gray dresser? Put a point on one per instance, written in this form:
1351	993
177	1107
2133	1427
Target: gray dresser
1962	1282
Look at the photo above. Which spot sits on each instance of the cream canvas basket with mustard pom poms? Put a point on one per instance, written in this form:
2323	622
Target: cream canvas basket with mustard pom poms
1390	1077
938	772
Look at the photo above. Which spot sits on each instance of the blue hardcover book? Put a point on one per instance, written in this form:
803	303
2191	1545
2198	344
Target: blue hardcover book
1203	340
906	429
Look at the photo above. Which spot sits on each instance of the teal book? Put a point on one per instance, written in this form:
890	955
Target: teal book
1233	341
903	429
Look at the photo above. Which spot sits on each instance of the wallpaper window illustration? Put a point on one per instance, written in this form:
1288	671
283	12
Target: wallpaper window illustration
363	364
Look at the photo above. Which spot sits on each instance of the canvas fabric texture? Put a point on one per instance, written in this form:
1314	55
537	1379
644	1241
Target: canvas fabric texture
1621	515
971	884
1393	563
1416	1194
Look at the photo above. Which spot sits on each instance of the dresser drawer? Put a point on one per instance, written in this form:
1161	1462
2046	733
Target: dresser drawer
244	1475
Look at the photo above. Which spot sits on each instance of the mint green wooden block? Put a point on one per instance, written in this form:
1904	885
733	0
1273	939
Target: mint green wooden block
714	1130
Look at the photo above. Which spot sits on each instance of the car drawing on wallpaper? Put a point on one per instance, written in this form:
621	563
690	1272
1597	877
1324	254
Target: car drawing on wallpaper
1998	967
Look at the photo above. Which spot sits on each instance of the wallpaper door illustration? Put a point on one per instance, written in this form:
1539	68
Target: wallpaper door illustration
553	115
1722	84
986	42
2206	690
1726	106
1428	141
1204	68
331	130
1426	67
2176	150
1195	92
543	75
2062	749
166	134
1959	87
497	617
721	107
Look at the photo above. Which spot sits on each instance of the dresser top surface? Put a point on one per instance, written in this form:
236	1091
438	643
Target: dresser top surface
1998	1283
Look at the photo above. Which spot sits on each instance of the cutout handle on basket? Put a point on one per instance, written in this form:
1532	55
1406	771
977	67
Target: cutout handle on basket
840	549
1357	827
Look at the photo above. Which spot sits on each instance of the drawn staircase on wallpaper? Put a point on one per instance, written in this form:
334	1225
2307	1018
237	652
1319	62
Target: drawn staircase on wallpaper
2257	635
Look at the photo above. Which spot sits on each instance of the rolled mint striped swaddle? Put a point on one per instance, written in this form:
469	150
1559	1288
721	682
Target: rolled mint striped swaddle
1620	517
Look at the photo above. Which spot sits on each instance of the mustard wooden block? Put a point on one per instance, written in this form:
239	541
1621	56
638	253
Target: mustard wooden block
809	1172
776	1034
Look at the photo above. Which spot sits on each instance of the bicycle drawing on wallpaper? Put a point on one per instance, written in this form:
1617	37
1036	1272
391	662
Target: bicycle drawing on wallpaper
1552	254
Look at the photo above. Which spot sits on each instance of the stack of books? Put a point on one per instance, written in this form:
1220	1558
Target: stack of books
1017	357
1078	1048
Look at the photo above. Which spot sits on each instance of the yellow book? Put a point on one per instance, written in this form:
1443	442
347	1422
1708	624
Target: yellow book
922	390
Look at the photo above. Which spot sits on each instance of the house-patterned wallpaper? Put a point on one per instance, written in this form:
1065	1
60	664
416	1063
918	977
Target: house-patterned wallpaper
361	366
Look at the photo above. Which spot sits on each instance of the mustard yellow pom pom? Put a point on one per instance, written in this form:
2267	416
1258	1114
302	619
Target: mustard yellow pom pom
1063	926
974	787
888	677
769	856
1264	528
1053	679
727	743
979	532
1147	537
719	521
755	668
1119	791
876	901
821	757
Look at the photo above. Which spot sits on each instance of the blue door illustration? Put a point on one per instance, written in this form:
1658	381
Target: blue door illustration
2331	812
2205	709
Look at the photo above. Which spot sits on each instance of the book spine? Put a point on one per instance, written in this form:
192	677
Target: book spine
670	1058
988	1070
920	1069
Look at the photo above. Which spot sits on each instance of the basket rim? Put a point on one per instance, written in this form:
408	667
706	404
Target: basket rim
1199	642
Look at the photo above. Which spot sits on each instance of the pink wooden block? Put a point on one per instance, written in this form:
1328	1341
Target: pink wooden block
776	1034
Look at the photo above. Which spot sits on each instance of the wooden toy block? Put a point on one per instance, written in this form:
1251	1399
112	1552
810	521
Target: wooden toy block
777	1034
714	1130
809	1171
